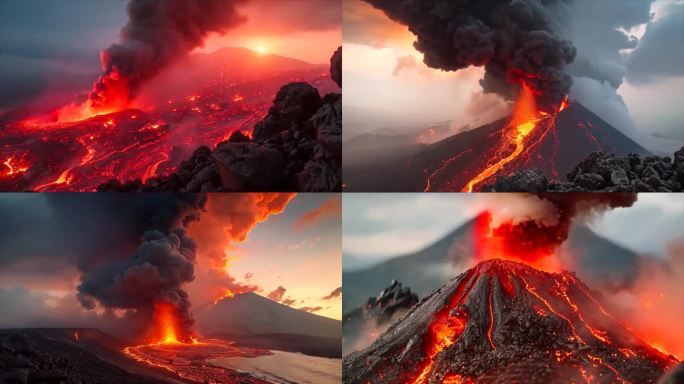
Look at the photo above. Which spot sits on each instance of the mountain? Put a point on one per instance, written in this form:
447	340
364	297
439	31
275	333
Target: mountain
71	355
506	322
556	145
252	314
602	263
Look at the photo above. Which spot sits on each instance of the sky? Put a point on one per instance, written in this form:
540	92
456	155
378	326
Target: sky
49	243
616	73
49	45
377	226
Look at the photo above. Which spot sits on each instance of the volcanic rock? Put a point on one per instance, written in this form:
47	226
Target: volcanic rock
336	66
506	322
296	147
77	355
376	314
604	172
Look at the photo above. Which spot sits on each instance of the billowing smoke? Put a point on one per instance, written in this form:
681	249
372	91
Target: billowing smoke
533	228
157	34
154	275
516	42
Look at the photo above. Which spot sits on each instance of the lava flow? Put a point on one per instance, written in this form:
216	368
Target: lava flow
80	146
526	118
177	350
501	321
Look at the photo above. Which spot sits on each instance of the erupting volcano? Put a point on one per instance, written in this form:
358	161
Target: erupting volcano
506	322
156	100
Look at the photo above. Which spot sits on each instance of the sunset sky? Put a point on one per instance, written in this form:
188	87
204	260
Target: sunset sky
55	45
388	85
49	243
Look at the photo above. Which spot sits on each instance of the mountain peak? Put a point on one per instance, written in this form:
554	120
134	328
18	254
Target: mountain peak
501	320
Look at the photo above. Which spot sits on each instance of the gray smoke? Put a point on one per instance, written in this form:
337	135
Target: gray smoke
516	41
158	33
159	267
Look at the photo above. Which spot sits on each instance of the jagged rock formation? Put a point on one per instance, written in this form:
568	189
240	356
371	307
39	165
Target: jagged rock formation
297	147
506	322
64	356
603	172
376	314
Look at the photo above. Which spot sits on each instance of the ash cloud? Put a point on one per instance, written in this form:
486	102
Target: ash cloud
157	34
516	42
660	52
546	220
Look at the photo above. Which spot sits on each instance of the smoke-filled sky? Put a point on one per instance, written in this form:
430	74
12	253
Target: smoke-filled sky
377	226
61	253
50	45
629	69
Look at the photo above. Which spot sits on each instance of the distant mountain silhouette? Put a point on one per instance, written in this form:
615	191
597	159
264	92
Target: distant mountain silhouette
606	265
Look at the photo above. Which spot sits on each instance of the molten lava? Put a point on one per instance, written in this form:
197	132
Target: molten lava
525	119
166	323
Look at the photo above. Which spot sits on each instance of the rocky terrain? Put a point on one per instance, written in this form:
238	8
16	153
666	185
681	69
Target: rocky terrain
70	356
506	322
297	147
368	320
603	172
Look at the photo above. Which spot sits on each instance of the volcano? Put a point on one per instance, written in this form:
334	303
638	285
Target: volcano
200	101
603	264
506	322
255	321
553	143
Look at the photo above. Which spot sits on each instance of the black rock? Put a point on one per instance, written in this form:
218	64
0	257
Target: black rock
336	67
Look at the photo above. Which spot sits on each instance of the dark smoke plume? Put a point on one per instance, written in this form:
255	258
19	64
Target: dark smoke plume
158	33
514	40
163	261
542	236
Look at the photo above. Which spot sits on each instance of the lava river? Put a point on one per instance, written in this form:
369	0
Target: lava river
42	154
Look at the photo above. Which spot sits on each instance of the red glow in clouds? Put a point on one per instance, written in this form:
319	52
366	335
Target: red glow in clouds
526	242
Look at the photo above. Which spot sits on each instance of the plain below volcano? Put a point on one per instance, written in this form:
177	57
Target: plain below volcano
451	163
506	322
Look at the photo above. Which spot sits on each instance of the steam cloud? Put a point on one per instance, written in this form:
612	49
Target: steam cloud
157	34
515	41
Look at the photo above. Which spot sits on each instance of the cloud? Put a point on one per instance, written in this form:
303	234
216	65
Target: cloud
278	17
366	25
310	309
331	208
660	52
335	293
277	294
289	301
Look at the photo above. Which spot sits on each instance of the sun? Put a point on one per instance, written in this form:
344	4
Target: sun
261	49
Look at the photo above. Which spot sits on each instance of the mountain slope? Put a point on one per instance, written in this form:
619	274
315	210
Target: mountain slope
602	263
506	322
555	147
251	314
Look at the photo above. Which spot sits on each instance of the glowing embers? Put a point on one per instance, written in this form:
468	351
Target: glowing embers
226	295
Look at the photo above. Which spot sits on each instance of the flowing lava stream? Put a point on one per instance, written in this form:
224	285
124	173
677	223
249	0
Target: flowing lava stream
445	329
526	118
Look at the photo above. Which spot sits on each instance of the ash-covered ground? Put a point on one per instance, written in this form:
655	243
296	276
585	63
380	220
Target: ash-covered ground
297	147
505	322
603	172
